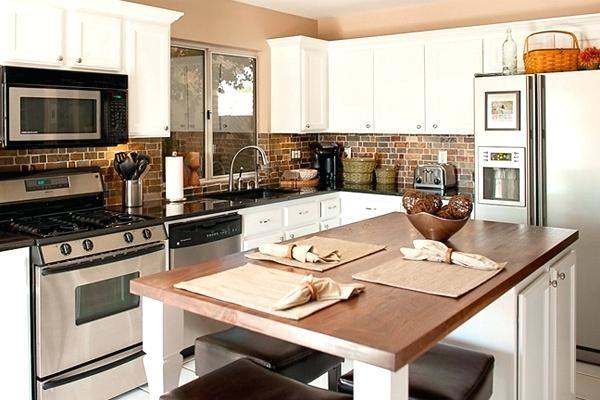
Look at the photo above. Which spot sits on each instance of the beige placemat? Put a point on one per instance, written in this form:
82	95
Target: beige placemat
255	287
427	277
349	251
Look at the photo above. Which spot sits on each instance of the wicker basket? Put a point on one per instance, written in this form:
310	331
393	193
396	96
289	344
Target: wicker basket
385	175
361	165
551	60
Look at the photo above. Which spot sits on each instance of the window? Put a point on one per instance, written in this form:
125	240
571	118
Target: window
213	110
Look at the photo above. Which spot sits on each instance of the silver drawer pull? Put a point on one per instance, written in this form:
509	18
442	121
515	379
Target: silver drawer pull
60	58
265	221
554	283
302	212
331	207
307	126
562	276
79	60
326	226
370	208
292	235
282	238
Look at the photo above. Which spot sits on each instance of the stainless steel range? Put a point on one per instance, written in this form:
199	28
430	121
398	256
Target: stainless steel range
87	326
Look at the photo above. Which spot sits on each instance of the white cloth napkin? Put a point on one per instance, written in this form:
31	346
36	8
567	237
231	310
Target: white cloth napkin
431	250
302	253
317	289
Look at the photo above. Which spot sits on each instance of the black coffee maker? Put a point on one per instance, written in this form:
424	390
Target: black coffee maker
328	161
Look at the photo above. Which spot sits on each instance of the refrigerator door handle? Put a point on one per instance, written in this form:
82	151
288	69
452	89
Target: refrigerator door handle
531	139
541	151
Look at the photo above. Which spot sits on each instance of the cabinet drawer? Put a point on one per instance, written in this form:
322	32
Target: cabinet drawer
255	242
330	208
302	231
330	223
301	214
262	221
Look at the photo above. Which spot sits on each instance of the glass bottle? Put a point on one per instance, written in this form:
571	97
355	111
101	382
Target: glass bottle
509	55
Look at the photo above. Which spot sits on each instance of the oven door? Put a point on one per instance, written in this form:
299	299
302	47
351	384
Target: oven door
501	176
54	115
84	310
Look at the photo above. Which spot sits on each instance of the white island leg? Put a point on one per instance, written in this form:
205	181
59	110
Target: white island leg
374	383
163	339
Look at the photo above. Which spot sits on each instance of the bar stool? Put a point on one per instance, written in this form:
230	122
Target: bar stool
244	379
219	349
444	373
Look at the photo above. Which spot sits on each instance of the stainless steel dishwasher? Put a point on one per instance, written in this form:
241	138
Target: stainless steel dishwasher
199	240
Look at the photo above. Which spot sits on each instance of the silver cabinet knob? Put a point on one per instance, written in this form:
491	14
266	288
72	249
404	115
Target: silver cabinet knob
418	126
167	128
79	60
367	126
562	276
60	58
307	126
281	238
292	235
435	126
554	283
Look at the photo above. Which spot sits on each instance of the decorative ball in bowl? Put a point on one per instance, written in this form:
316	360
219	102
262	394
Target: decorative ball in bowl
436	228
431	218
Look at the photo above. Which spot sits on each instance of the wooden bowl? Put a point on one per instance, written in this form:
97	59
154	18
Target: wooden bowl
435	228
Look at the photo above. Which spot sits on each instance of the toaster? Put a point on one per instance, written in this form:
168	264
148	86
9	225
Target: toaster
435	176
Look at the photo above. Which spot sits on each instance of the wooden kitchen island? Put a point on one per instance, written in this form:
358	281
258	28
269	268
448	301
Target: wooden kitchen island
385	328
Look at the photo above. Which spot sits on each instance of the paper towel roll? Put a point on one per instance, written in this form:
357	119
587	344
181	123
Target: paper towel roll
174	178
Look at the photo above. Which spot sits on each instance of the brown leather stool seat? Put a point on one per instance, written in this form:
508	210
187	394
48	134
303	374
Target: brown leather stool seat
444	373
296	362
244	379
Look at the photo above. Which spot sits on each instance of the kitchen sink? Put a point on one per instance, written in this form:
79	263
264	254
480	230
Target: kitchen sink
252	194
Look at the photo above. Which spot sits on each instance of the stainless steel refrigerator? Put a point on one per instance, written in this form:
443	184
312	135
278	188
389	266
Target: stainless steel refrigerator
558	126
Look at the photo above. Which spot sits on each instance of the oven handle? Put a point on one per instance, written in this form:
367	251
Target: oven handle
58	269
53	383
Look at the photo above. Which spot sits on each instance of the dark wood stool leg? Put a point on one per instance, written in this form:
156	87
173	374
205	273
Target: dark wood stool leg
334	375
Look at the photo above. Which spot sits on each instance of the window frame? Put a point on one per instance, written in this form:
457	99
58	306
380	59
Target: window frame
209	50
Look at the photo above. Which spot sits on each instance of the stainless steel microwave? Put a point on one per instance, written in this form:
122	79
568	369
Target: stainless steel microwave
56	108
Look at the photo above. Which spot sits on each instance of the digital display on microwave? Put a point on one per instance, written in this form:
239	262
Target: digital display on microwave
501	156
59	182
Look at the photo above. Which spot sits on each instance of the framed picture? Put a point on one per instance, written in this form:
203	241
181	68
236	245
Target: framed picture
502	111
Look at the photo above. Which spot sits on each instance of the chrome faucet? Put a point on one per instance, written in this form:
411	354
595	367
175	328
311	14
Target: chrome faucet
264	161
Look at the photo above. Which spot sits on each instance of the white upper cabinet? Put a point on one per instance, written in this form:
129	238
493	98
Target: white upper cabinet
351	89
315	88
95	41
399	88
35	33
449	77
148	67
299	85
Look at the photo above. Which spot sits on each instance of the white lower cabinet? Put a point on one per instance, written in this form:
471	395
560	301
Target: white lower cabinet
360	206
547	334
302	231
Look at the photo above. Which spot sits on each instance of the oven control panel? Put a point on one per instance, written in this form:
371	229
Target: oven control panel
92	246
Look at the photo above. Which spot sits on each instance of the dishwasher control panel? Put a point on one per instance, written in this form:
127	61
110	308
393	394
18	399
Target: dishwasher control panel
203	231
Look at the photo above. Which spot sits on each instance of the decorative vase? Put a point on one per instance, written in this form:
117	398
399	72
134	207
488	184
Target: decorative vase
509	55
192	161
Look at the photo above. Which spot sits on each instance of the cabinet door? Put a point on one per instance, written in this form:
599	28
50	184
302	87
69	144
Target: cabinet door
315	105
302	231
35	33
399	89
148	66
179	95
351	77
563	319
95	41
449	78
534	340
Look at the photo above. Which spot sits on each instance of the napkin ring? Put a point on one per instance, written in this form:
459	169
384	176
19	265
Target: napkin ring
290	252
312	289
448	255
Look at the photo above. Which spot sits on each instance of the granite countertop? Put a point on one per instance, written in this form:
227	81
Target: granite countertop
202	205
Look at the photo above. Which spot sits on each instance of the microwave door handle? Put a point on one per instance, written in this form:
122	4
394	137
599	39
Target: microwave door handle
60	268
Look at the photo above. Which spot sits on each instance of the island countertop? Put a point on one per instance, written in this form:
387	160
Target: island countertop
385	326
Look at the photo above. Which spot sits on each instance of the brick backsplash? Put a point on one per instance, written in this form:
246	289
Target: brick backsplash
404	151
408	151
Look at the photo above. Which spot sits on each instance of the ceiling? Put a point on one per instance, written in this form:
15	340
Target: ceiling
329	8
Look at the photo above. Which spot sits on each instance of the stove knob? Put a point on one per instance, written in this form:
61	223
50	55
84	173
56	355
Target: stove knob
147	234
65	249
418	179
88	245
437	181
128	237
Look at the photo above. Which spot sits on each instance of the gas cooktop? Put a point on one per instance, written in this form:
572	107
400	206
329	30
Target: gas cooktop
46	226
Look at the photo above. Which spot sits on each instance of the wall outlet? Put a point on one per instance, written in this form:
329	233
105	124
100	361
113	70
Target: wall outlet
443	157
348	152
296	154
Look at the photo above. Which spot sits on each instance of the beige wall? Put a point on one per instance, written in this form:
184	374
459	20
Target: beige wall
230	24
437	14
